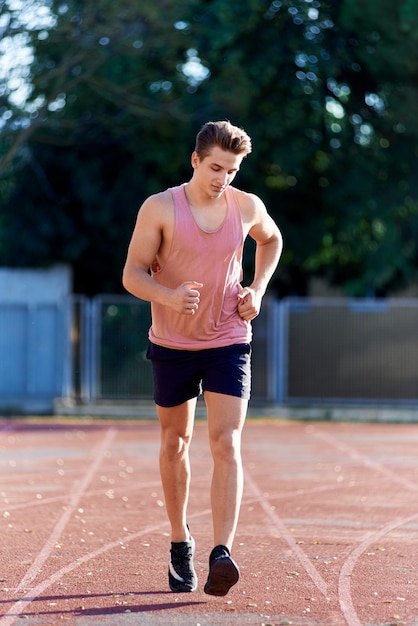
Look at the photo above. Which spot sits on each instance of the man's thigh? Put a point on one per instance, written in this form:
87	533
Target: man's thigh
226	415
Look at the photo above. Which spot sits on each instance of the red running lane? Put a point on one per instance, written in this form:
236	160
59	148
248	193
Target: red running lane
327	533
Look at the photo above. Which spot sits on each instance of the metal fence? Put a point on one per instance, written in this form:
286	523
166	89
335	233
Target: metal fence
349	350
305	351
110	339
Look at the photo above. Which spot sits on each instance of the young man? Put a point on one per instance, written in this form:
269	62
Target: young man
185	257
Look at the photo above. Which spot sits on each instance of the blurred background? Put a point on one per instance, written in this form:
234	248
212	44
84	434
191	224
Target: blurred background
100	103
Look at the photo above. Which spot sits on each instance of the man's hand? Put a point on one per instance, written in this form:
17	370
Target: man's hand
249	304
185	299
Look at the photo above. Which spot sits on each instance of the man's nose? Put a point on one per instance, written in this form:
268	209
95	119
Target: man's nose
223	178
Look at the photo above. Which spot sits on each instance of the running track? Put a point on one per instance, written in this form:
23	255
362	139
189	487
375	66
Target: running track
328	534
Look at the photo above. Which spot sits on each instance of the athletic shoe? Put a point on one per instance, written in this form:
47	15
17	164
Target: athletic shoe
223	572
181	573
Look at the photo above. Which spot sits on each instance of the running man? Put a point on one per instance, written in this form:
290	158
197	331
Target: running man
185	257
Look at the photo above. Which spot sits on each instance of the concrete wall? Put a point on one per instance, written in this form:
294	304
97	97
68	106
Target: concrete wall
35	350
35	285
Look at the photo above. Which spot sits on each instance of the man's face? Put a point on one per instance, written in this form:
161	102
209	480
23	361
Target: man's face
216	171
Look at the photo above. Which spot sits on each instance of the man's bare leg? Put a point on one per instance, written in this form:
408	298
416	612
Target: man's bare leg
176	432
226	417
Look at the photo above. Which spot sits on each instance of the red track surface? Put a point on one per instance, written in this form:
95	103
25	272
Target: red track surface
328	533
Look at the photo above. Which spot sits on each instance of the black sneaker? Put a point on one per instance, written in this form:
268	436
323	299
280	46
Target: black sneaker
223	572
181	573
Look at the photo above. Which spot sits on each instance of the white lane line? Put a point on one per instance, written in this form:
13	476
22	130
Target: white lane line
344	586
74	498
363	459
18	607
344	583
88	494
296	549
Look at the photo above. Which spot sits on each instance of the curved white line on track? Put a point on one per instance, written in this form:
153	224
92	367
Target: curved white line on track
344	586
77	492
363	459
297	551
344	580
17	609
19	606
88	494
157	483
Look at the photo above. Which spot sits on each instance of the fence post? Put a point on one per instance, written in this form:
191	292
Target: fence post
271	350
67	312
281	316
94	334
86	349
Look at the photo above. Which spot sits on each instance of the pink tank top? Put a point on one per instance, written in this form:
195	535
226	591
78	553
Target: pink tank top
214	259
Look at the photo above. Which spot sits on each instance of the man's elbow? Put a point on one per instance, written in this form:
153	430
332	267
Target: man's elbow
278	240
275	246
127	279
275	241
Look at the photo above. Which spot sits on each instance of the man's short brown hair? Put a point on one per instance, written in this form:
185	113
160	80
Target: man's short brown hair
224	135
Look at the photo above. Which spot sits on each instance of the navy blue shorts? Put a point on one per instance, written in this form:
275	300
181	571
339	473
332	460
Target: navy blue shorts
180	375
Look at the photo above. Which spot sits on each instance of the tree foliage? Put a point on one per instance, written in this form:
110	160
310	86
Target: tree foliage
117	91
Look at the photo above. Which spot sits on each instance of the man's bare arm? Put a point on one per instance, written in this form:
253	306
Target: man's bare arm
145	244
269	245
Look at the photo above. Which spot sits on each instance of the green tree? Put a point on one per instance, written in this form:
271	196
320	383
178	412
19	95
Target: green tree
86	147
118	91
335	140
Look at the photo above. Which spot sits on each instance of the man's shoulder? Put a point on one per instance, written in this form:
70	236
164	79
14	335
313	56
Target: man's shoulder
160	201
245	196
159	197
249	203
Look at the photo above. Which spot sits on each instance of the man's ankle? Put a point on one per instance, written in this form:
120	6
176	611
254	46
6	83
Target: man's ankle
181	536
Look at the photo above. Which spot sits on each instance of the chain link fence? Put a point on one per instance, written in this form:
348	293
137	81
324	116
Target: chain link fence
305	351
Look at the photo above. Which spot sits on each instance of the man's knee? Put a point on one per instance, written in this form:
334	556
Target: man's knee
226	445
174	444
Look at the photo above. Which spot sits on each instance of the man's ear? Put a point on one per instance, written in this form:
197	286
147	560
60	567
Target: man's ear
195	160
